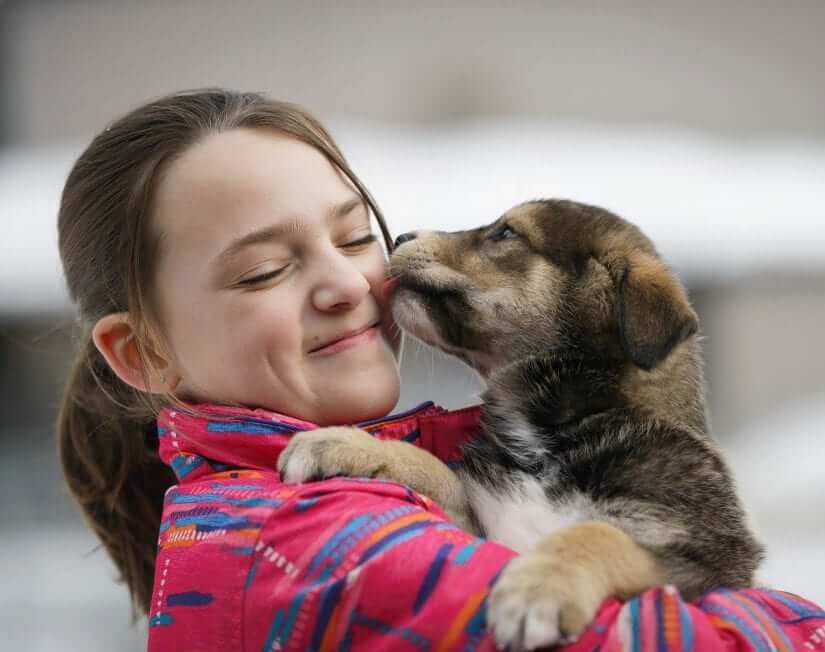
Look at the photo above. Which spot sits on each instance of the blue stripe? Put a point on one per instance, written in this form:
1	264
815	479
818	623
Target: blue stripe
189	599
686	627
346	642
217	521
399	536
178	498
226	487
195	498
660	622
253	568
160	619
183	465
756	638
415	434
305	503
431	578
273	631
478	623
255	502
750	606
329	598
220	466
240	550
801	610
466	553
635	625
249	428
292	614
350	527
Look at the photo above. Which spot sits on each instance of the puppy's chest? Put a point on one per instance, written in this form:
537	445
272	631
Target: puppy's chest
524	514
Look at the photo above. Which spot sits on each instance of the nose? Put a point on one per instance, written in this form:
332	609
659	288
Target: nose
405	237
341	285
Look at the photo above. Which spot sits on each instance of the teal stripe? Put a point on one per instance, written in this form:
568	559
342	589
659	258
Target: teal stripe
273	631
686	627
466	552
635	626
749	606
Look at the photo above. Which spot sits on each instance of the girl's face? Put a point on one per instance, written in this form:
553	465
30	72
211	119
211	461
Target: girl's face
270	280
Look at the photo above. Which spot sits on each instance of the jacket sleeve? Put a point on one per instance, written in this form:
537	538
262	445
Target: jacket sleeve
349	564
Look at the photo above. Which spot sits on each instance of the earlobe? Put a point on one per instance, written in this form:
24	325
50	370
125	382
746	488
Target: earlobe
115	338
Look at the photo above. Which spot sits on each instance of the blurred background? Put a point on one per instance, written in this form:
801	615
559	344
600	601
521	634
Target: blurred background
702	122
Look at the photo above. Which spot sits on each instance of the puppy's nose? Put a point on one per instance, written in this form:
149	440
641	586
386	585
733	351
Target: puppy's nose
404	237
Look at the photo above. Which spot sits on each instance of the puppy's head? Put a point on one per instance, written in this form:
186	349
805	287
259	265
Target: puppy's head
547	276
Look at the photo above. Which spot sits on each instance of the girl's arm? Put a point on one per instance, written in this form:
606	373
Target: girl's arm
368	565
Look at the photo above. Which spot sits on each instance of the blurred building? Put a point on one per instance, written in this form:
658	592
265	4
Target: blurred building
703	123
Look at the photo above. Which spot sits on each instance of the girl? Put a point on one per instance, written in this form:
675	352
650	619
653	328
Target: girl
221	254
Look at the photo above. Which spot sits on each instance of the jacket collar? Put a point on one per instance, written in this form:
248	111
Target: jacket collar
196	440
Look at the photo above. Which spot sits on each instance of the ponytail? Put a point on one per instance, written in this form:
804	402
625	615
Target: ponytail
108	451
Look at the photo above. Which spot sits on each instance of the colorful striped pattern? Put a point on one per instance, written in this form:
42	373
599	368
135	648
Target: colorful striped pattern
246	562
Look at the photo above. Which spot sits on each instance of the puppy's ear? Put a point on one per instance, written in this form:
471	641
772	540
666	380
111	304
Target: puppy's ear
653	310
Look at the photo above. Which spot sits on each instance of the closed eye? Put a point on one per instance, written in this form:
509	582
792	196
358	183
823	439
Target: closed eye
263	277
368	239
504	232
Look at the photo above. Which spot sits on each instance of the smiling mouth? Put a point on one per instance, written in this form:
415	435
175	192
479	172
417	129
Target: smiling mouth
348	341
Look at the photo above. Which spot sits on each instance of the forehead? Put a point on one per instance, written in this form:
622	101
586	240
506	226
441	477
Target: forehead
231	182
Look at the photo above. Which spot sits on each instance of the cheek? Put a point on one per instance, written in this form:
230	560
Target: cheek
374	268
265	327
239	336
376	274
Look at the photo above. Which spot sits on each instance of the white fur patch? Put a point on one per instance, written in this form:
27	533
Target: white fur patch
521	518
410	314
299	466
523	442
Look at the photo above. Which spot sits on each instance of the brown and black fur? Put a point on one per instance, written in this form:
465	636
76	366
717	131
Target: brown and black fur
594	379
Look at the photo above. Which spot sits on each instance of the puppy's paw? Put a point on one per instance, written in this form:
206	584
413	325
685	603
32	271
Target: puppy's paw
329	452
536	602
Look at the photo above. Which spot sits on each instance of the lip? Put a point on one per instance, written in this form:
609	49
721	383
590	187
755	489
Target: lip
348	340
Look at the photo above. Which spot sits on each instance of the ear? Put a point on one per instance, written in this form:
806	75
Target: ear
115	338
653	310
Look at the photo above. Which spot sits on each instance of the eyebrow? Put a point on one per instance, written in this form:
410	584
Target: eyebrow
270	233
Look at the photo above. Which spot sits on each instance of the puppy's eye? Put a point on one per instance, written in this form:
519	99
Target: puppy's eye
504	232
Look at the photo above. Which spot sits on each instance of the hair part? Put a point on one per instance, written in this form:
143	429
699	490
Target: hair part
109	248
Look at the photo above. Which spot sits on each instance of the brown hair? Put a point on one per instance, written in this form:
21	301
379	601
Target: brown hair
108	443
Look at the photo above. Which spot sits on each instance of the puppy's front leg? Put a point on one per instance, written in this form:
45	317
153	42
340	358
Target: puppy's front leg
345	451
552	593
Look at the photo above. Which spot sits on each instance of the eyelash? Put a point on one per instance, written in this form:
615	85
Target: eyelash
369	239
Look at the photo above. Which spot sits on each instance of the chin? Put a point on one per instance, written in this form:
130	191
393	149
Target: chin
362	402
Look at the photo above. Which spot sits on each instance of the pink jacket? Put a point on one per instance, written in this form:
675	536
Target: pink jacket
246	562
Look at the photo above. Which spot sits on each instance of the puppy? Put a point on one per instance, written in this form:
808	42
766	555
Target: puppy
594	458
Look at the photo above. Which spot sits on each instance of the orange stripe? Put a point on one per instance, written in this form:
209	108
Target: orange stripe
756	611
396	525
721	623
327	643
671	622
236	475
467	611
